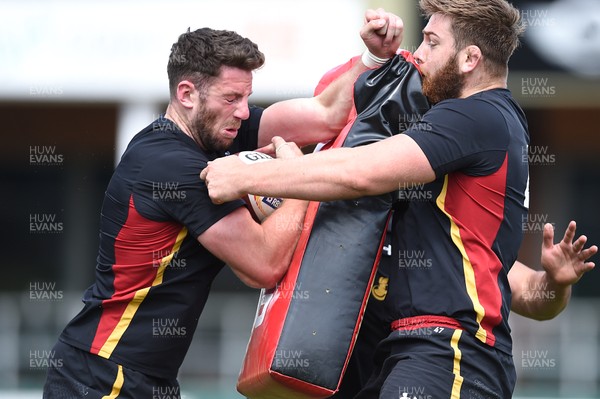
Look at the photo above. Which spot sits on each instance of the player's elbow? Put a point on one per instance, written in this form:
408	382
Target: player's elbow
358	184
540	316
276	272
263	282
333	114
543	317
548	314
335	125
257	282
267	278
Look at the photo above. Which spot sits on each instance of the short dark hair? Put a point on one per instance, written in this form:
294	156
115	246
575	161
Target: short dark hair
199	55
492	25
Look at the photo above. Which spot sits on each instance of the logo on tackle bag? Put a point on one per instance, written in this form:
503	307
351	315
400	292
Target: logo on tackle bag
379	289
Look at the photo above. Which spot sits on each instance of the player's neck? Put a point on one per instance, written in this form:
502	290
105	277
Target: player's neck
174	116
475	87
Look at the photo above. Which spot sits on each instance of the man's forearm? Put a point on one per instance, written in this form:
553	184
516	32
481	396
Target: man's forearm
337	99
340	173
534	295
321	177
312	120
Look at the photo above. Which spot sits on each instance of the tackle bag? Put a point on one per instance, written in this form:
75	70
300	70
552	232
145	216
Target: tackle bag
306	326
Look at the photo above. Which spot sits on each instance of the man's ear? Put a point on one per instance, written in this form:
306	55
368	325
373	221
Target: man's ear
469	58
186	92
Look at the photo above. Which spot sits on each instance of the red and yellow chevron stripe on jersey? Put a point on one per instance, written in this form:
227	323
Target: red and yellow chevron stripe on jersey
476	222
131	288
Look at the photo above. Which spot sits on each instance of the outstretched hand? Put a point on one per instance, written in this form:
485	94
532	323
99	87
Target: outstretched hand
566	261
382	32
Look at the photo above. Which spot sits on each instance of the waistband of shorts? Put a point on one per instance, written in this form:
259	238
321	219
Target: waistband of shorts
411	323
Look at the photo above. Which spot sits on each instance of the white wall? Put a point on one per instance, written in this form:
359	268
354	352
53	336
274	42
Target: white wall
118	50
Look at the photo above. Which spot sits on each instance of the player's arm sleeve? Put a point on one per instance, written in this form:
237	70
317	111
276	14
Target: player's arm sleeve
198	213
177	192
470	139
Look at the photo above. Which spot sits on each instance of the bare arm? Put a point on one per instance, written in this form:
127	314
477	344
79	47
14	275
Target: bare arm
542	295
259	254
337	173
320	118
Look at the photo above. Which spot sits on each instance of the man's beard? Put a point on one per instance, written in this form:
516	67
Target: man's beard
206	133
445	83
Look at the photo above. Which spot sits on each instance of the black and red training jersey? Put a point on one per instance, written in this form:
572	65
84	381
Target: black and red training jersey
152	275
456	238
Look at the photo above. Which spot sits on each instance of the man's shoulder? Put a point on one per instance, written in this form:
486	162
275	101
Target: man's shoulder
162	138
477	107
176	160
163	153
484	96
